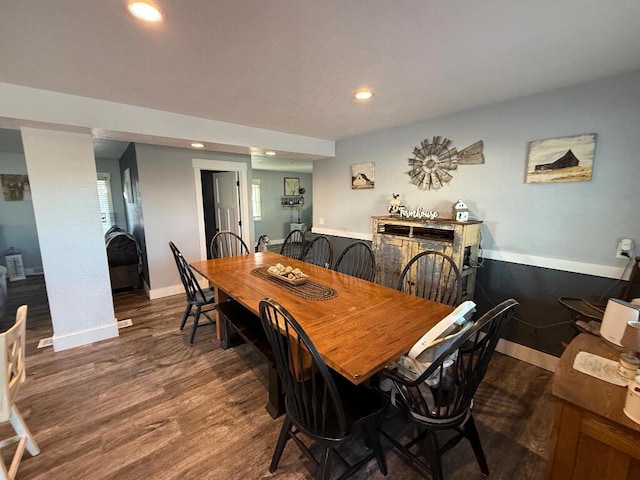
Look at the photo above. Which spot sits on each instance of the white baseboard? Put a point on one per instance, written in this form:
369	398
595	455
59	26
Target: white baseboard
84	337
34	271
526	354
168	291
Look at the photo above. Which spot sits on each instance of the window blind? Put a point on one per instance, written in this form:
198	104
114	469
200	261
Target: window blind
106	203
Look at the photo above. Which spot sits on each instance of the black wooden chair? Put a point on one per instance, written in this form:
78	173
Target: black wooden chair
226	243
446	402
357	260
434	276
319	252
199	301
293	246
320	404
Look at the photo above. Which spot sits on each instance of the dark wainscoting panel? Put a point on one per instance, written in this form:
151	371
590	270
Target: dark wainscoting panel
538	290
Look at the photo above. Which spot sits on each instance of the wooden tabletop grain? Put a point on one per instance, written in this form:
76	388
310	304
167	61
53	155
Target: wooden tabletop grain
359	331
590	393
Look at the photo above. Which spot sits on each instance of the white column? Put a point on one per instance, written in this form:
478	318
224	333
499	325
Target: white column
62	176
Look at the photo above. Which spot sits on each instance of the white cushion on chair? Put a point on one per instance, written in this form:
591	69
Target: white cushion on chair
436	341
444	327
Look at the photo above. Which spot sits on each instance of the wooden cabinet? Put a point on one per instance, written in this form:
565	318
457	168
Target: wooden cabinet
396	240
592	438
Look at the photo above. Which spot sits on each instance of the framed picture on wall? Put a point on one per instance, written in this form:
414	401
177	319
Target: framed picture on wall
15	188
362	175
291	186
565	159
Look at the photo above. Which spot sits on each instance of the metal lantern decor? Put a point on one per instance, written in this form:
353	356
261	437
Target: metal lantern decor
15	268
460	211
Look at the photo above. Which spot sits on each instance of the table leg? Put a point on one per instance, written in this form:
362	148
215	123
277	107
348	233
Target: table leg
275	405
221	297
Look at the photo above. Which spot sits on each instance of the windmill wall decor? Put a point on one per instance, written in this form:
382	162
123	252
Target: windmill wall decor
432	161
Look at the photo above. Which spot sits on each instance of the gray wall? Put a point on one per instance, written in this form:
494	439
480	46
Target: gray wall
572	221
276	218
133	206
566	224
17	220
167	187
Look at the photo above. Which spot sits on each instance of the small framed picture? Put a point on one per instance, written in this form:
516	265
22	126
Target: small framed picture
15	188
291	186
362	175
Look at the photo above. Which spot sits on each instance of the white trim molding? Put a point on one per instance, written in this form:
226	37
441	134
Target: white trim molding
165	292
175	289
557	264
528	355
342	233
85	337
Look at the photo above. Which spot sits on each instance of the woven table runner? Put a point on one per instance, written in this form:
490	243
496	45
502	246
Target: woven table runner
309	290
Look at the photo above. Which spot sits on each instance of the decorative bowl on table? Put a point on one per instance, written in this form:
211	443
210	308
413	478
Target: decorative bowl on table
289	274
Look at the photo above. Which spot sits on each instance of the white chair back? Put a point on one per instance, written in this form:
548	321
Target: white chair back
12	374
12	371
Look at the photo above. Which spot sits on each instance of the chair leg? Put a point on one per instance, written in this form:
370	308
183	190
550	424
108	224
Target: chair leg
282	442
17	422
196	319
373	440
187	312
325	462
430	447
471	432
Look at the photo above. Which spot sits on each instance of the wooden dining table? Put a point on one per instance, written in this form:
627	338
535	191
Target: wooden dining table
361	329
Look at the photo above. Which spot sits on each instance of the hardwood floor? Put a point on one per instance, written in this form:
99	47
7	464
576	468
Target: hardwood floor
147	405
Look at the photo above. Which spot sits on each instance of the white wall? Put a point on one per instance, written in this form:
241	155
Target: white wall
62	174
168	194
573	222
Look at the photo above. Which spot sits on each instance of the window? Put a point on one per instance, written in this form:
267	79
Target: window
256	199
106	204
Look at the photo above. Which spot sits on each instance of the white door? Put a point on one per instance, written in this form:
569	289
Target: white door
227	201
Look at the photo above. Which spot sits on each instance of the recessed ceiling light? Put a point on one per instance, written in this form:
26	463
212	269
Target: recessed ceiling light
145	10
363	94
197	145
270	153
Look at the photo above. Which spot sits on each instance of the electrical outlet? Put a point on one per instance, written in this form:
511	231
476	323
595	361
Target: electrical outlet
625	248
321	220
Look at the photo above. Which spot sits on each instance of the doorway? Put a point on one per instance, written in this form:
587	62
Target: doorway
240	185
220	203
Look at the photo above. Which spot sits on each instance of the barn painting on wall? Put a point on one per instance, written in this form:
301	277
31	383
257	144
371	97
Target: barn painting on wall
566	159
362	175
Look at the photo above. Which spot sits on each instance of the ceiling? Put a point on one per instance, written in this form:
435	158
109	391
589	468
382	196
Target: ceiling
291	65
